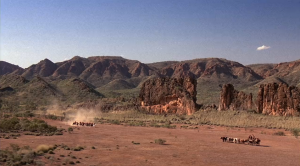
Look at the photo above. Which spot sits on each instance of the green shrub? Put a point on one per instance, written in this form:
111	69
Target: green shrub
160	141
35	125
17	156
9	124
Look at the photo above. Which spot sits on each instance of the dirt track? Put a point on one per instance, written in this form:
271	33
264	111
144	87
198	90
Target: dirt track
201	146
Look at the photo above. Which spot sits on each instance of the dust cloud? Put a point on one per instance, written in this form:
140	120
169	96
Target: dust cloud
72	114
82	115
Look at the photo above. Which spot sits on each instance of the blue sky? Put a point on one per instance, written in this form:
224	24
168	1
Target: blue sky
150	30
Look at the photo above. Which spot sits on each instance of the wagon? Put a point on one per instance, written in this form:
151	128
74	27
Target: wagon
253	141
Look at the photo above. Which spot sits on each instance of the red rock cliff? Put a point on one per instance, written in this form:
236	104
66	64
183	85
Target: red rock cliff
278	99
231	99
169	95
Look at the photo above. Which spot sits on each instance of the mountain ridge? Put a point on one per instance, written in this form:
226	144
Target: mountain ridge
95	74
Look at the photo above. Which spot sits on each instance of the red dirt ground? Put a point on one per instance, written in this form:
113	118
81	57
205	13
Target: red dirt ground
201	146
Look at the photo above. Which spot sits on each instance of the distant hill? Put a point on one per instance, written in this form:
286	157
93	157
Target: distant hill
80	79
7	68
288	72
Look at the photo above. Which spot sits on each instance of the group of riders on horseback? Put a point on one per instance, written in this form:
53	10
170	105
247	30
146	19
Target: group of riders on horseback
84	124
252	140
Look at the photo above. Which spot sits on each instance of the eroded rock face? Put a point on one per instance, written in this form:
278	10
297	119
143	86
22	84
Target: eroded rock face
169	95
278	99
231	99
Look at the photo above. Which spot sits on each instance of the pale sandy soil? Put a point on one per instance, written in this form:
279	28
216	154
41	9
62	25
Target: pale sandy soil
184	147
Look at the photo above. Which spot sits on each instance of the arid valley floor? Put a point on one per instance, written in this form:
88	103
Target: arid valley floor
201	146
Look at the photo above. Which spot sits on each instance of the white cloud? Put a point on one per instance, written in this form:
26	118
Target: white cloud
263	47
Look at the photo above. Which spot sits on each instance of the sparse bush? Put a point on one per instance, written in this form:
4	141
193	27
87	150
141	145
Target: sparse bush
50	152
135	143
169	126
160	141
78	148
18	156
182	117
139	123
40	153
263	132
71	162
15	147
9	124
28	114
28	133
117	122
93	147
50	116
295	132
185	127
70	129
279	133
58	133
7	116
35	125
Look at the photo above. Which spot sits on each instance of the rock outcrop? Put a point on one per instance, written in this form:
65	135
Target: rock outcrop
169	95
231	99
278	99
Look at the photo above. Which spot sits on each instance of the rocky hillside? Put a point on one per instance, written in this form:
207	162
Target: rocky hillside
96	70
116	76
18	92
287	72
214	68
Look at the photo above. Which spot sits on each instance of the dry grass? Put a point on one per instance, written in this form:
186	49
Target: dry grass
245	119
219	118
43	148
131	115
